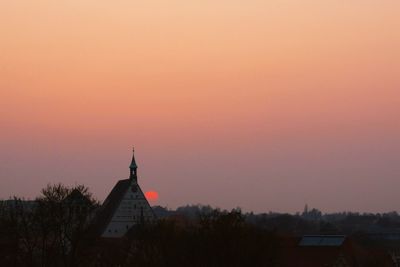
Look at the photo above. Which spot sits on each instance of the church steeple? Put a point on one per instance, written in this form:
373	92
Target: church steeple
133	167
128	199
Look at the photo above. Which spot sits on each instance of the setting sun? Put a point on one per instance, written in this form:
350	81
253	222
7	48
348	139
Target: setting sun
152	195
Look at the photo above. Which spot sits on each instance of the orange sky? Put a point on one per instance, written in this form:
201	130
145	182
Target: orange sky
272	104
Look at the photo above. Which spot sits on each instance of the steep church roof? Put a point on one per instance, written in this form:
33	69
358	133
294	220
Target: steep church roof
107	210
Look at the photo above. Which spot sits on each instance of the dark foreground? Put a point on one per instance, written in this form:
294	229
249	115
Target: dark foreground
57	230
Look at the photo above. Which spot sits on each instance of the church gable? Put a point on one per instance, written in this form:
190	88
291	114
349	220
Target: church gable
133	209
125	206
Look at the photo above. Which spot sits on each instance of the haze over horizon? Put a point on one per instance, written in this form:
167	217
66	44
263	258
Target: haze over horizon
265	105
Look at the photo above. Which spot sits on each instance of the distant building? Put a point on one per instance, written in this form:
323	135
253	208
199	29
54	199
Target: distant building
330	251
27	205
125	207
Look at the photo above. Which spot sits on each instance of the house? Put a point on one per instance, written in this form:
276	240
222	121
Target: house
328	251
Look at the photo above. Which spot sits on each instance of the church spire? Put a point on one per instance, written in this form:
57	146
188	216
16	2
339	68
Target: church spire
133	167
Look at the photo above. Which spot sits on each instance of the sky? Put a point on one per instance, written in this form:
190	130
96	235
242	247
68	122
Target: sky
263	105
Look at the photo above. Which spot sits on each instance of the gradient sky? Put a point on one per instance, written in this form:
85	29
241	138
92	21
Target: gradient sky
265	105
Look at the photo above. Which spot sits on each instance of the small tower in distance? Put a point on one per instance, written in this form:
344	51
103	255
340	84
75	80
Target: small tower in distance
133	167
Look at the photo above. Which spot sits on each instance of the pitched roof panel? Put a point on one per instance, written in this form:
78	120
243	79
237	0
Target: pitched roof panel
322	240
104	215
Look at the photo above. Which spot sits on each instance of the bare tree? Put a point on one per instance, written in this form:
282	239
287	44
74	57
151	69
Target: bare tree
48	230
65	213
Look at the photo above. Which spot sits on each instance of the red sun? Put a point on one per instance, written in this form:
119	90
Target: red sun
151	195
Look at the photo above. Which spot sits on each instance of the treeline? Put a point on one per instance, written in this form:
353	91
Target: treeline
55	230
215	239
48	230
310	221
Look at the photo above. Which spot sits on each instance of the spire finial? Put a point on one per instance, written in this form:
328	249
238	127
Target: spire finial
133	167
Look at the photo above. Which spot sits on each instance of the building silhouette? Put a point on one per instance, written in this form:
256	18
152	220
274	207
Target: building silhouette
125	207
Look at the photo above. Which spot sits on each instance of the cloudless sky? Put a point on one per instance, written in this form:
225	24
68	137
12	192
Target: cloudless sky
265	105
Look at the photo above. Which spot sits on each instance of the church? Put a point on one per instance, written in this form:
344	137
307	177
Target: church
125	207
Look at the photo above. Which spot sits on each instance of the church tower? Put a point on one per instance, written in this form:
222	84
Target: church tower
125	206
